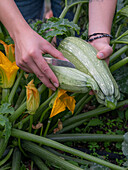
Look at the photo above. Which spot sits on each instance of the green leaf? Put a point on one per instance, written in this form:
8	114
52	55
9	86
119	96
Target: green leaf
6	108
54	33
123	11
6	131
63	26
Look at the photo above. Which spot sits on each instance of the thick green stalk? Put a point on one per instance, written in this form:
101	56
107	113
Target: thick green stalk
92	113
45	141
117	35
66	3
3	145
77	14
70	158
82	103
5	94
64	12
14	88
86	137
118	53
119	64
30	124
18	112
39	163
42	88
16	160
20	98
48	156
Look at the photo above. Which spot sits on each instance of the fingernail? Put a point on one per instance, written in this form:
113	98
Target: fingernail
101	55
55	84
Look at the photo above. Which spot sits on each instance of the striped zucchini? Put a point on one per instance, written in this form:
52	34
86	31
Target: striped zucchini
74	80
83	56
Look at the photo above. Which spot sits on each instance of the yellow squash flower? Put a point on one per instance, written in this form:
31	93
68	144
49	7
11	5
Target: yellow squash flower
33	98
8	71
62	101
9	51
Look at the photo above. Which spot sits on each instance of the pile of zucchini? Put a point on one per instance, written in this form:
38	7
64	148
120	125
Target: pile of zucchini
90	72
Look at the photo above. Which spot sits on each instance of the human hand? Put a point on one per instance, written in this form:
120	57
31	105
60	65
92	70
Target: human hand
29	47
103	47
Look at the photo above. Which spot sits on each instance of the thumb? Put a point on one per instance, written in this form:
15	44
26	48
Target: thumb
105	52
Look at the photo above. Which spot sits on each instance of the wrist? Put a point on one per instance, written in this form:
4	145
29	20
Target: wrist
20	28
99	37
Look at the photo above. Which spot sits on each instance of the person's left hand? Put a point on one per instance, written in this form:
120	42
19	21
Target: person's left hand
103	47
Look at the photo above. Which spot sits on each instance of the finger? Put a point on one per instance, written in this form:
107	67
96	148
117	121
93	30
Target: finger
43	71
106	52
42	76
48	48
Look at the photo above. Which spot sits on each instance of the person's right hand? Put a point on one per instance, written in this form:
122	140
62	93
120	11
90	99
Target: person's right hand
29	47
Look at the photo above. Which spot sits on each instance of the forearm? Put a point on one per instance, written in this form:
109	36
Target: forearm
12	19
101	14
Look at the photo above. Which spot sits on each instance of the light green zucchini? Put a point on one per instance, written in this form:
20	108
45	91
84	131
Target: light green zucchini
83	56
73	80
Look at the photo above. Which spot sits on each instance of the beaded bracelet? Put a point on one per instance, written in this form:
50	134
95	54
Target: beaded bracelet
101	35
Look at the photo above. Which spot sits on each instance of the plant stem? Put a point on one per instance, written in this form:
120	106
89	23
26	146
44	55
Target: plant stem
5	94
82	103
47	127
119	64
48	156
45	141
77	14
3	145
16	159
65	10
42	116
13	91
80	161
118	53
42	106
20	98
42	88
7	157
92	113
86	137
18	112
31	122
40	164
20	147
66	3
117	34
36	115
